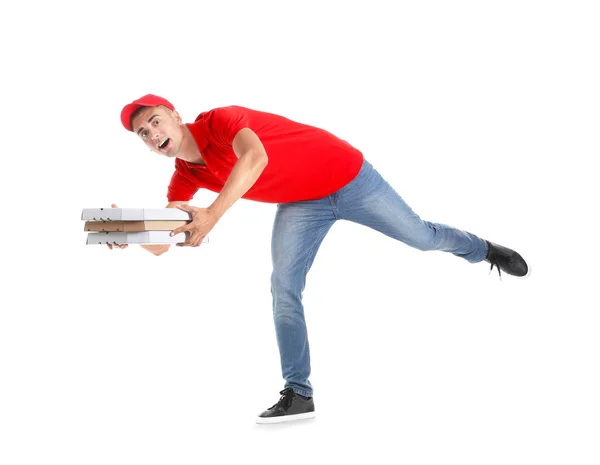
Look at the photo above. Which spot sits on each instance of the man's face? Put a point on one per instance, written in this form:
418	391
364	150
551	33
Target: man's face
160	129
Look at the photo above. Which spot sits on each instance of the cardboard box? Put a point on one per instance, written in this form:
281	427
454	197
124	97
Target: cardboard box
133	226
144	237
135	214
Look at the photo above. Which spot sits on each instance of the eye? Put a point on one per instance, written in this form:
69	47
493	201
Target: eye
155	121
144	134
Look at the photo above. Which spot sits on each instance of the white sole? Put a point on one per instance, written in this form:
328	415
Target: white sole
284	418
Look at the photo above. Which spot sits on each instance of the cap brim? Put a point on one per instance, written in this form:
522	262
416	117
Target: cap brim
126	113
149	100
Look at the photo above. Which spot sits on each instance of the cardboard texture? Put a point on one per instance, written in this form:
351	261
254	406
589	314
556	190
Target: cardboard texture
133	226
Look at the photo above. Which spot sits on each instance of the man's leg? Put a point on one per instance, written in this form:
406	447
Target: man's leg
298	231
369	200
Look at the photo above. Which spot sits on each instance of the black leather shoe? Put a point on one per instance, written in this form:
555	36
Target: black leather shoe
506	260
290	407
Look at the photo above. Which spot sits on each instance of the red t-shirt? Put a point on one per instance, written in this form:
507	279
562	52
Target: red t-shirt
305	162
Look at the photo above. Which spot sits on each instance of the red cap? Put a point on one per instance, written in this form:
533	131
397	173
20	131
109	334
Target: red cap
145	101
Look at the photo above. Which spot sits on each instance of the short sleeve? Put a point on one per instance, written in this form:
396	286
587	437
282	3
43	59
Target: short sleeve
181	188
226	122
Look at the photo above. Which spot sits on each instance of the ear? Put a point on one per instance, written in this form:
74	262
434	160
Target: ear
177	117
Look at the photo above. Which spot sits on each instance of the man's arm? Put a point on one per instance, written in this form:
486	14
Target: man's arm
176	202
252	160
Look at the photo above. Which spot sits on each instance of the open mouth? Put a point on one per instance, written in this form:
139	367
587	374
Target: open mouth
164	144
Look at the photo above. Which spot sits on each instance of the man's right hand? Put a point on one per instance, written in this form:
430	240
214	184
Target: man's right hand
116	246
157	249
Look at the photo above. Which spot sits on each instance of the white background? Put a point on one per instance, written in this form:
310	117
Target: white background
482	115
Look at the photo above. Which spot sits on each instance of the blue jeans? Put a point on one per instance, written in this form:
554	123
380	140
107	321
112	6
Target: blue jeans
299	230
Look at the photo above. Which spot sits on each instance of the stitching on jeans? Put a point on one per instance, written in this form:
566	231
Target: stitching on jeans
333	207
310	254
320	235
304	273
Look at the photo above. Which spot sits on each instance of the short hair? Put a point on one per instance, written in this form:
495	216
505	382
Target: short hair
133	115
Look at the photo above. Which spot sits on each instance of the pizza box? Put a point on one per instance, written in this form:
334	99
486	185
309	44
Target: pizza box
134	214
143	237
133	226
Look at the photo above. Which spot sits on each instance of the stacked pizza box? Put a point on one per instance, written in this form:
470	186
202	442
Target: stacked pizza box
135	225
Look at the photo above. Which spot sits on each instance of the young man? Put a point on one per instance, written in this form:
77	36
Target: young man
315	179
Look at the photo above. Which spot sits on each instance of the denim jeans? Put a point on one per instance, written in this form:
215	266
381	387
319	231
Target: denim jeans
299	230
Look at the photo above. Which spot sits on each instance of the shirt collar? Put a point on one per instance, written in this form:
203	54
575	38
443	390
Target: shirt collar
198	130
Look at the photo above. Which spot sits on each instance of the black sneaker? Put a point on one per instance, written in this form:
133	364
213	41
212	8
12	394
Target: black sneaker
506	260
290	407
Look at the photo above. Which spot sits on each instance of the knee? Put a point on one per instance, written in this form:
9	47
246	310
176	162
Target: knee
423	244
428	239
286	290
438	237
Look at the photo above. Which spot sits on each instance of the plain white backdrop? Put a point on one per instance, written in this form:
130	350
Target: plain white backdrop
482	115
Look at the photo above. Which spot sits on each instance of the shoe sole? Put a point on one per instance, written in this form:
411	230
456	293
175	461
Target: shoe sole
284	418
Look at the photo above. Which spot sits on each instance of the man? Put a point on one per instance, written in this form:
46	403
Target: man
315	179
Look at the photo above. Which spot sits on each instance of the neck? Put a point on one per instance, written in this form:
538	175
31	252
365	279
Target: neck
189	149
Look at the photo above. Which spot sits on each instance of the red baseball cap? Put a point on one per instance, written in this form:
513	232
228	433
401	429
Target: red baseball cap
145	101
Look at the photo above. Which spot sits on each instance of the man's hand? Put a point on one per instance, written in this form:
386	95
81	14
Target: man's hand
203	220
156	249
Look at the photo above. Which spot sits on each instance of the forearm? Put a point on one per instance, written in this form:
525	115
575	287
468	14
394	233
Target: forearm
176	202
243	176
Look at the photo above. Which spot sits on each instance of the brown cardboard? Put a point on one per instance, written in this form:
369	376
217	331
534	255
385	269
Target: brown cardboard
133	226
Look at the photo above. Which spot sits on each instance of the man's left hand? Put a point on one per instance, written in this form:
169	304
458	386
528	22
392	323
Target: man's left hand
203	220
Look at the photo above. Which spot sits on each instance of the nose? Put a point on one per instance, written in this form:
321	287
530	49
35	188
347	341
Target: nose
155	138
